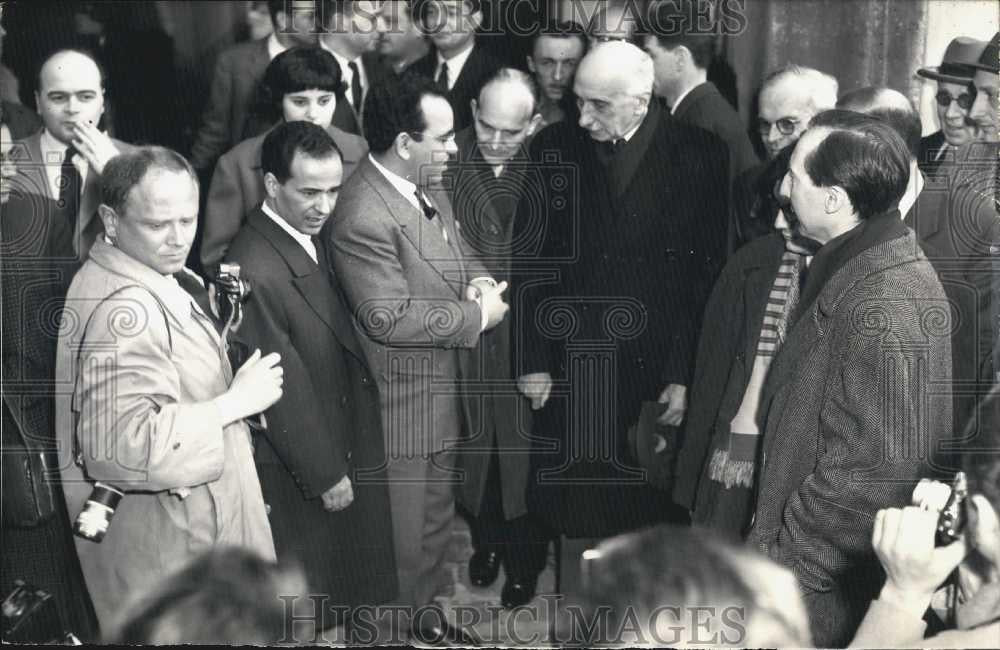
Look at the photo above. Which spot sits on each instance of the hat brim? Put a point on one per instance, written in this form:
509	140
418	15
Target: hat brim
937	75
995	69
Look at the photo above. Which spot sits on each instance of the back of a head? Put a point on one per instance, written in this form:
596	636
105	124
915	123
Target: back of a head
393	107
890	106
656	581
862	154
675	23
287	139
820	88
295	70
224	597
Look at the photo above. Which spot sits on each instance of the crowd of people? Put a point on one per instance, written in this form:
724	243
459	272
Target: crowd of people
247	390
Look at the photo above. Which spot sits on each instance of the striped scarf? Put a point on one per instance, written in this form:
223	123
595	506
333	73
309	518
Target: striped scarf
733	462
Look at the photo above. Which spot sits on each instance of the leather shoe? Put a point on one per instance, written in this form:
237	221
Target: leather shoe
435	631
484	566
518	591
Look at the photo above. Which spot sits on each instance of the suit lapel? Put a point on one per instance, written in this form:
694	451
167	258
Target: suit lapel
424	235
312	280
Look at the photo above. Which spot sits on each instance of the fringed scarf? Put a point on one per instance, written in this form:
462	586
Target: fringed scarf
733	464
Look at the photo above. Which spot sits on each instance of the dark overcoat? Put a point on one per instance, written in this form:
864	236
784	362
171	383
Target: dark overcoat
625	254
325	426
485	206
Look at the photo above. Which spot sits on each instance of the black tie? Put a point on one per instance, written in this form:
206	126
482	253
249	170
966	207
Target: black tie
442	80
355	86
429	210
70	185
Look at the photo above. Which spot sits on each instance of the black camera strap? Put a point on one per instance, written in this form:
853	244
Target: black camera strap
76	406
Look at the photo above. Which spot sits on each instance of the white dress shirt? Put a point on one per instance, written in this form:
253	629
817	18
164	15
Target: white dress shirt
304	240
274	46
455	64
53	152
673	109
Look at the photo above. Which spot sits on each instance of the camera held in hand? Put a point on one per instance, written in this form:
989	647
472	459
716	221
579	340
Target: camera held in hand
951	523
93	521
231	292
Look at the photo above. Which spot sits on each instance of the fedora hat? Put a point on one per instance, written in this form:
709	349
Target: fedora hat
990	58
959	62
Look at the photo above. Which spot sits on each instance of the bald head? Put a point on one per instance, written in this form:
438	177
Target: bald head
888	105
505	114
70	92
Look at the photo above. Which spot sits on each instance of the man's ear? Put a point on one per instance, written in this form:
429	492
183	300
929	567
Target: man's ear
475	108
271	184
641	103
836	199
402	145
110	219
531	66
534	124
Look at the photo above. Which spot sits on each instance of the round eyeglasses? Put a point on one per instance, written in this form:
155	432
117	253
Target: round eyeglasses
786	126
964	101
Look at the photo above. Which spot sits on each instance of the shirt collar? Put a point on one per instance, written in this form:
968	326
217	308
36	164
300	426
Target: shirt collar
628	134
677	102
455	63
344	63
913	190
403	186
274	47
304	240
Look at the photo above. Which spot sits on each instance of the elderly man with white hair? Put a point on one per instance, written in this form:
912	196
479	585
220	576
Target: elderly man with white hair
629	218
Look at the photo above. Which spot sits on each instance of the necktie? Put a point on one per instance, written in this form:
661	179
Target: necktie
442	80
355	87
70	185
430	212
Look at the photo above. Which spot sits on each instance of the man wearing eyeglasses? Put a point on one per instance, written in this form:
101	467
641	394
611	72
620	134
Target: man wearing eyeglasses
789	97
954	98
421	300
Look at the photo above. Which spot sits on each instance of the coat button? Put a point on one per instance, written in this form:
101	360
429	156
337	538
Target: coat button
343	400
267	508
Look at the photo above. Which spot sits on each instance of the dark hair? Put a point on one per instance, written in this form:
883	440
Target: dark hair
294	70
419	8
126	170
982	466
393	107
561	29
289	139
225	596
674	23
862	154
82	52
274	7
887	105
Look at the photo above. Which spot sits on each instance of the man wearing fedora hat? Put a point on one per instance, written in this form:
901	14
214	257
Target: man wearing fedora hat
954	99
987	103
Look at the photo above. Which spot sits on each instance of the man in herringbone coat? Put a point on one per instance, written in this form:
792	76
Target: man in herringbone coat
850	416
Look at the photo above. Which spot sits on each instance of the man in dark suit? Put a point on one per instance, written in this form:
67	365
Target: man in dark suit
635	239
319	455
850	418
350	36
238	70
681	59
953	100
458	66
422	302
487	180
64	160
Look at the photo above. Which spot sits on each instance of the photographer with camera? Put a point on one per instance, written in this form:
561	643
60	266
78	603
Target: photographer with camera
149	413
916	569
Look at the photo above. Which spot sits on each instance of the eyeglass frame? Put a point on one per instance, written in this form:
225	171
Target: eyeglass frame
969	95
764	127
